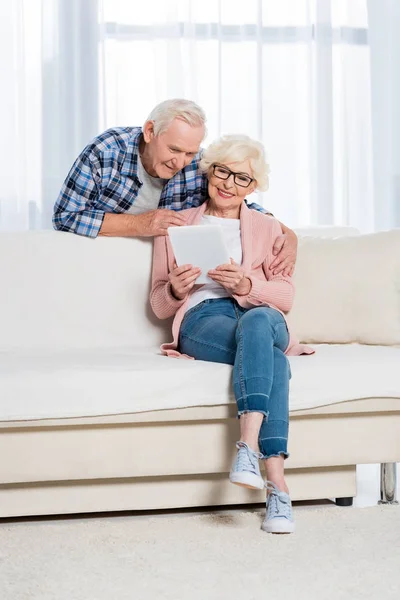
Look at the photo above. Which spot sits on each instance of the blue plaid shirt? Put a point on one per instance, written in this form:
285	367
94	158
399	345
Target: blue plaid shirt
104	179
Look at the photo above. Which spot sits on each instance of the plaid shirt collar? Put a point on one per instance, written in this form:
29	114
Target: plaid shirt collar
130	164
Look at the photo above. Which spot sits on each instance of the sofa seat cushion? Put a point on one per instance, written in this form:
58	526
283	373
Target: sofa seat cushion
61	384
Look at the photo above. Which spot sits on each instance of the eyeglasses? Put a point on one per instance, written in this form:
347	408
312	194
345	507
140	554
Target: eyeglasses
239	178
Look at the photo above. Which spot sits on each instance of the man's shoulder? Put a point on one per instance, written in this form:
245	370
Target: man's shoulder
193	168
190	177
116	138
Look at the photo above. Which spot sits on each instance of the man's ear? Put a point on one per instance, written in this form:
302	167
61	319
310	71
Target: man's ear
148	131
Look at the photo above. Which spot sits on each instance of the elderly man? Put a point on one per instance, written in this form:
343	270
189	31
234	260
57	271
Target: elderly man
131	181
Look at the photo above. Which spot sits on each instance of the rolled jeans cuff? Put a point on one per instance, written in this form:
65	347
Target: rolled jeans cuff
252	410
273	446
252	402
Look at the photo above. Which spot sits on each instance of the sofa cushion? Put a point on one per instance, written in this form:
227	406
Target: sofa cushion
76	383
67	291
348	289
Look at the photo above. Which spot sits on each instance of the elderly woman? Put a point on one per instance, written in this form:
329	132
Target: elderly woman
239	319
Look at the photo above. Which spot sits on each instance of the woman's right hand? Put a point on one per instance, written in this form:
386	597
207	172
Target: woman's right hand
182	279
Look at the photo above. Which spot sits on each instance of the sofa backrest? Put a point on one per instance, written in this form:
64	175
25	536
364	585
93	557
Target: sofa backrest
348	289
61	290
65	291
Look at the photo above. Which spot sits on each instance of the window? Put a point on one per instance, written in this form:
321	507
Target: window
292	73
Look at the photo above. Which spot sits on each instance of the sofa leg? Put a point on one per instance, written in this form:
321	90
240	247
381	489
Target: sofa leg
388	483
344	501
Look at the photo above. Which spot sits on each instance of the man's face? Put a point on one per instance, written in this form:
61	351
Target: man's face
171	151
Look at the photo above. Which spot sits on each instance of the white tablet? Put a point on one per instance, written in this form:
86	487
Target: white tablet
201	246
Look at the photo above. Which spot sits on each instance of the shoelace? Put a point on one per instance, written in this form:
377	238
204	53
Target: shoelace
247	460
278	502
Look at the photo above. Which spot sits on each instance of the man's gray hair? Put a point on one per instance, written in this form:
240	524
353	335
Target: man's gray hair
178	108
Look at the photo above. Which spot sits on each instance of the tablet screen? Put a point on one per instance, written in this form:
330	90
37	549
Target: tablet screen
201	246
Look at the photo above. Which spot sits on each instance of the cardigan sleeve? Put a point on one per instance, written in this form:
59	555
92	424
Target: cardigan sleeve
163	303
277	290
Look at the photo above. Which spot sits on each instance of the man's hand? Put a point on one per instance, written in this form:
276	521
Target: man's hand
232	278
156	222
182	280
285	250
148	224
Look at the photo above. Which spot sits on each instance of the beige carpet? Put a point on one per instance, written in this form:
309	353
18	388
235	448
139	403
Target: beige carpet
338	553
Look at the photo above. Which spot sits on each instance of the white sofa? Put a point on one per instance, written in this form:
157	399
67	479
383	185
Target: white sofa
93	418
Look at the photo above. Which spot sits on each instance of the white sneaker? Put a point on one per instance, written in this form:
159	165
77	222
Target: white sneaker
245	470
279	517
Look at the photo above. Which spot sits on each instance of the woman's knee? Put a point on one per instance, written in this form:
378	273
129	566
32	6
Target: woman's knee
259	320
259	314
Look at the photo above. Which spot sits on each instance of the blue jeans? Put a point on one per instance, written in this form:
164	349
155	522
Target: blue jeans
253	341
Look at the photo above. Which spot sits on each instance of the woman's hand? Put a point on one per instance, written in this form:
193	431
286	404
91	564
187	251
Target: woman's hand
232	278
182	279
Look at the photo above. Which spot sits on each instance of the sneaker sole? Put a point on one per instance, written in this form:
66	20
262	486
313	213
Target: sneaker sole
278	526
247	480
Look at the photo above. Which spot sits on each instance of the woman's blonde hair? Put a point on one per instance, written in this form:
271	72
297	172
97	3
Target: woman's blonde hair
238	148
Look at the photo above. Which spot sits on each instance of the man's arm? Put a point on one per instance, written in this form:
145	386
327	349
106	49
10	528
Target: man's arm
255	206
76	207
285	250
285	247
148	224
74	210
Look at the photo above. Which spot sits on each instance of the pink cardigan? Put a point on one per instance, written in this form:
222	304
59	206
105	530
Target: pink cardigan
258	233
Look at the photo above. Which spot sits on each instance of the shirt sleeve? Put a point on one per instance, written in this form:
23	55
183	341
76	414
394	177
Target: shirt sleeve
75	210
255	206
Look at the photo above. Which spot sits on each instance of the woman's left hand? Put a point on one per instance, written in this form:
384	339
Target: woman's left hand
232	277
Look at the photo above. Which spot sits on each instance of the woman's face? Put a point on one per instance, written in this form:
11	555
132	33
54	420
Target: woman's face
229	184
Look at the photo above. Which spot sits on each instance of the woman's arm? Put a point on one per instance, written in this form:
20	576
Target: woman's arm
275	289
285	246
278	291
162	301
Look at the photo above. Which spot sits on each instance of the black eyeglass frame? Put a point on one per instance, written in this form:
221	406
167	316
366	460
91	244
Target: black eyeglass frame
251	179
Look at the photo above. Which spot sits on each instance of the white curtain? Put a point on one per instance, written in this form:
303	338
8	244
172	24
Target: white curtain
384	41
310	78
